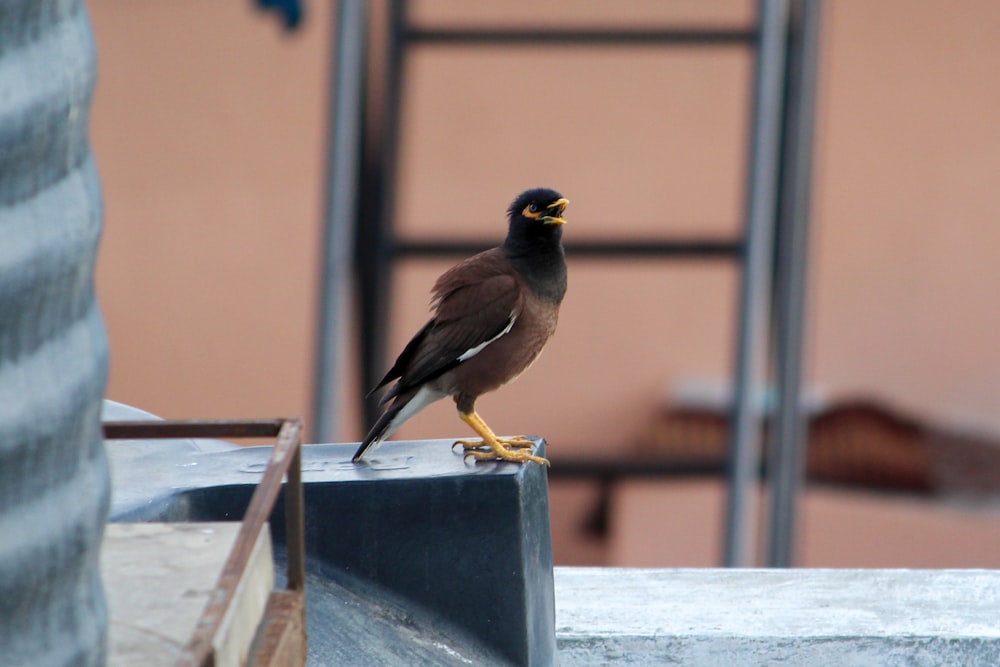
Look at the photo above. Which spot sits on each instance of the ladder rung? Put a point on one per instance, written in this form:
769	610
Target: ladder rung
582	36
676	249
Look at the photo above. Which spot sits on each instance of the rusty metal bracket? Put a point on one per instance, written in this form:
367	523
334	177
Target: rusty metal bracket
285	460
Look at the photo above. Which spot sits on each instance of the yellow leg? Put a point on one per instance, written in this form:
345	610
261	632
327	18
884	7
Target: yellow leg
506	449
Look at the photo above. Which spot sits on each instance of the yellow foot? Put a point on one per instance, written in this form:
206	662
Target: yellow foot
501	453
468	444
492	448
518	441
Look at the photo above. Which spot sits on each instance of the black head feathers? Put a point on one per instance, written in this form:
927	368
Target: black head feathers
539	198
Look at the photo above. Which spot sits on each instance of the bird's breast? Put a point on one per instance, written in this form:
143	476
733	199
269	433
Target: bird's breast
508	356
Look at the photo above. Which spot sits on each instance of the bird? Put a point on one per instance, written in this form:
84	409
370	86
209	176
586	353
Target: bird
491	316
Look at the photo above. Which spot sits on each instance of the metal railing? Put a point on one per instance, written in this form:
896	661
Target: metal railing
285	460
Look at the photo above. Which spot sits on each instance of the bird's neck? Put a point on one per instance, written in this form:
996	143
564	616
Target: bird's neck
543	268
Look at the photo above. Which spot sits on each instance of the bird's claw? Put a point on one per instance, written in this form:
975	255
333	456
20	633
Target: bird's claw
518	442
468	444
501	453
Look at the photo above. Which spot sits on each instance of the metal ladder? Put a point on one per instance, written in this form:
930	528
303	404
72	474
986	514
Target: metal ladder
771	252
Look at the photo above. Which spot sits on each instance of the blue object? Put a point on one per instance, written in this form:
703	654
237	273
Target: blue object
289	11
413	558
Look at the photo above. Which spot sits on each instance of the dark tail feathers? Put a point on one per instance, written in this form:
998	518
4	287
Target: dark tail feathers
379	431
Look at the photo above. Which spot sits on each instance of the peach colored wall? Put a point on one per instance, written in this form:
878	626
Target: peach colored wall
207	127
209	132
908	208
657	524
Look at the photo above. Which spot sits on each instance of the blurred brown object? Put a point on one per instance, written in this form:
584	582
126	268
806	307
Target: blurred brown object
858	442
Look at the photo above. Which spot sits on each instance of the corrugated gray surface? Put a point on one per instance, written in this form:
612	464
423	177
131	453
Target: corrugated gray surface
53	353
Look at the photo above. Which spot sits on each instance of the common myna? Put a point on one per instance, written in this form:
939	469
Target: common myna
492	315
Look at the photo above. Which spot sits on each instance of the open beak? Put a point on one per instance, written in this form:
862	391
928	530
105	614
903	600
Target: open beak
555	211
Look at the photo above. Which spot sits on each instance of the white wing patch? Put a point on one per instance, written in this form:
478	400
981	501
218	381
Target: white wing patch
471	352
424	397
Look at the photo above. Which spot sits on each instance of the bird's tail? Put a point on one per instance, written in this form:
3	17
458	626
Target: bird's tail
378	432
404	405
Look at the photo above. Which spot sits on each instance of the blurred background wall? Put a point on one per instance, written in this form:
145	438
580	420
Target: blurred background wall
209	130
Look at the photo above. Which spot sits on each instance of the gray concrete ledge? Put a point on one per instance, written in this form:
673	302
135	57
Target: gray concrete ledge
777	617
159	577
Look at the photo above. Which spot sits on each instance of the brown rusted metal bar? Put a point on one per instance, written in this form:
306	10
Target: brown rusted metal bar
151	430
281	639
286	459
295	531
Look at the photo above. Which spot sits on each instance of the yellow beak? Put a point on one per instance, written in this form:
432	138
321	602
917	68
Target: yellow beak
557	207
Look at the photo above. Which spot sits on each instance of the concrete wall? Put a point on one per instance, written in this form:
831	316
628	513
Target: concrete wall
776	617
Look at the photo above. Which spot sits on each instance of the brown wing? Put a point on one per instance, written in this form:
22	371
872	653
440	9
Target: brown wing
475	303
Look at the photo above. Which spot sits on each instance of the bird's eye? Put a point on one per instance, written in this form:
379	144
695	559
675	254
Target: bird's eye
533	208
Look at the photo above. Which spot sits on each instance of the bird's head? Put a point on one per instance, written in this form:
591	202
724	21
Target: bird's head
534	241
535	222
538	205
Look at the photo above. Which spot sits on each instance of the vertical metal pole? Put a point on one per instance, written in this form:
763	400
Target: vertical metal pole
343	163
788	434
754	299
295	530
375	224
